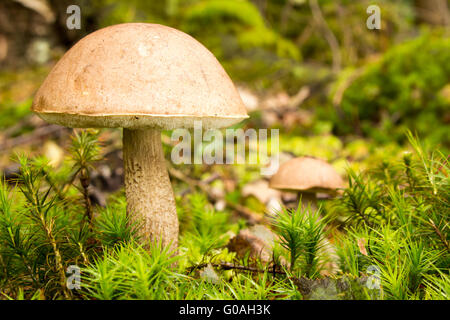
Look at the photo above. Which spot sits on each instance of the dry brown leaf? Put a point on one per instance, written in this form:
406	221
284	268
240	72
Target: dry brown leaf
361	246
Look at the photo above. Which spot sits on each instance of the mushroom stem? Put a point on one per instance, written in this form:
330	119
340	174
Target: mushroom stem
308	198
150	199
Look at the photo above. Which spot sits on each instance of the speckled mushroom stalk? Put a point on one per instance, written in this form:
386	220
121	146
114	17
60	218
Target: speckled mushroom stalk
150	199
307	199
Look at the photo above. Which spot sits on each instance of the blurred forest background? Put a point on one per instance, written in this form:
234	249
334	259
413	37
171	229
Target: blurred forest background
311	68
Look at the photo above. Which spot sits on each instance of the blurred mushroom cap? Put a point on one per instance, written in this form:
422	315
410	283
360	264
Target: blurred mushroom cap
306	174
260	189
139	75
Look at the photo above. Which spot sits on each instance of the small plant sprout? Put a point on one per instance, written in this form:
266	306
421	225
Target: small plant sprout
301	233
143	78
307	176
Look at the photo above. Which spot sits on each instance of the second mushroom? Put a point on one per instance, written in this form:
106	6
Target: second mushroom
307	176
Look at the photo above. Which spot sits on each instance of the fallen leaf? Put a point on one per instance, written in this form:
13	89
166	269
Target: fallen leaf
256	242
209	274
362	247
260	190
54	153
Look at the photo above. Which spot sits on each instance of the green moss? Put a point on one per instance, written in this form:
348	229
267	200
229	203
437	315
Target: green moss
402	91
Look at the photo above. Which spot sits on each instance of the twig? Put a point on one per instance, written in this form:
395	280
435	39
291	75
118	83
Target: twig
346	33
299	97
293	103
327	33
85	182
285	13
230	266
344	85
40	7
20	124
27	138
439	233
305	35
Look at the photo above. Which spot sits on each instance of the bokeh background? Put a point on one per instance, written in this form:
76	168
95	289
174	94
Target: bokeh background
335	89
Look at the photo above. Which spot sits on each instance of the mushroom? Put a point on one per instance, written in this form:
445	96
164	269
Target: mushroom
307	176
143	78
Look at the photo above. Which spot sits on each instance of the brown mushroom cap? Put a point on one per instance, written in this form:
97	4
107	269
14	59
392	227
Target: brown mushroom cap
139	75
306	174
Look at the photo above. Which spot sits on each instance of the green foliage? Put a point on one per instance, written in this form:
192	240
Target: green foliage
399	219
238	18
247	288
322	146
85	149
289	226
396	223
437	287
301	233
31	234
130	272
115	12
350	257
12	112
224	13
41	228
16	87
235	31
402	90
113	224
206	227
